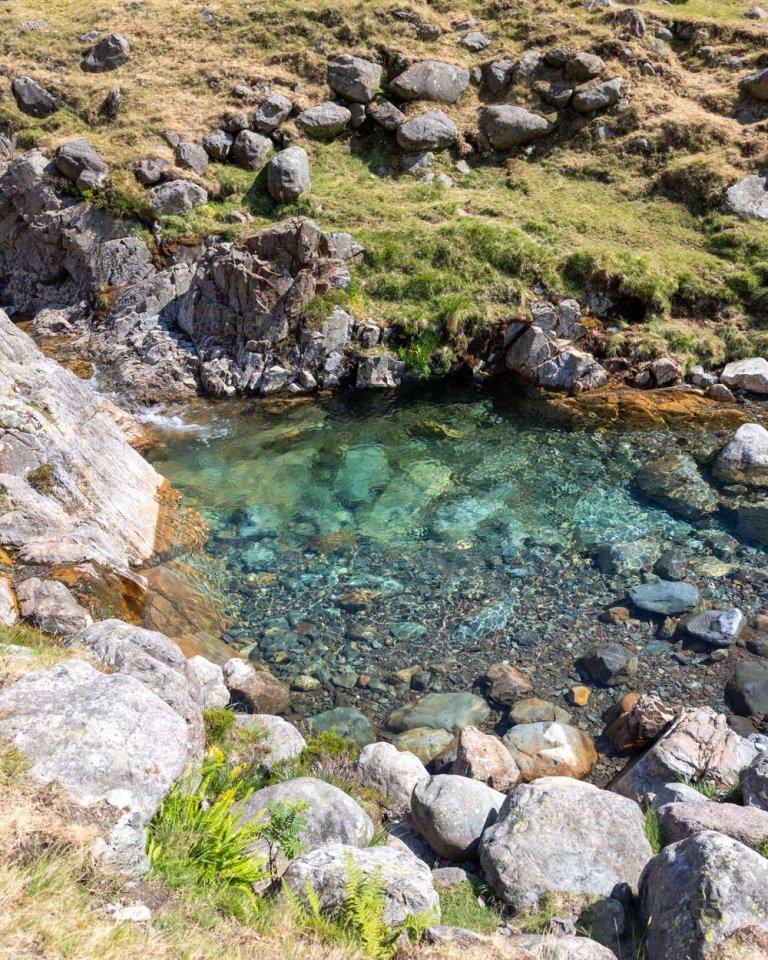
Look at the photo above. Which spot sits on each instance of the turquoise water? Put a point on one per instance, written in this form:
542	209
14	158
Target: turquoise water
466	515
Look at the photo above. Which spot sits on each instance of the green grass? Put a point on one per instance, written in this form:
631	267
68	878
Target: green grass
652	829
472	906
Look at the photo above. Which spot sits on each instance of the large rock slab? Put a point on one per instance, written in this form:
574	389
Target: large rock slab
108	740
551	362
431	80
508	126
744	459
392	772
550	749
452	812
100	502
155	661
750	374
748	825
331	816
674	481
561	836
699	746
408	887
446	711
701	893
354	78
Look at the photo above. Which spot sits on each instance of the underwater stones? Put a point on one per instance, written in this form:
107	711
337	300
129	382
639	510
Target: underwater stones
507	684
665	597
392	772
431	80
752	521
623	559
718	628
560	836
347	722
750	374
426	743
612	665
703	894
452	812
363	471
446	711
674	481
744	459
507	126
550	750
485	621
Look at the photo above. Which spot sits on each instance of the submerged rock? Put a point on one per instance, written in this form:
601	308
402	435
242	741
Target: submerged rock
675	482
347	722
719	628
446	711
744	459
665	596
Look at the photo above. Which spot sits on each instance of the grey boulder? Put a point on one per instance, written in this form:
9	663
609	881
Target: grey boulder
191	156
288	175
602	95
541	946
392	772
750	374
408	886
754	782
108	54
217	144
431	80
271	112
718	628
250	149
431	131
748	825
380	372
33	99
748	197
354	78
452	812
50	606
325	121
81	164
213	693
704	893
508	126
756	84
386	115
176	198
584	66
561	836
747	689
108	740
744	459
667	597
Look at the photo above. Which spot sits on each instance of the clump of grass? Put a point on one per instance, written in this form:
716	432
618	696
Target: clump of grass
763	848
652	829
471	906
538	920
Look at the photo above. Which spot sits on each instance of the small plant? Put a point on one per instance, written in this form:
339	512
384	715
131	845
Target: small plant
763	848
217	724
472	906
705	789
42	479
359	921
538	921
652	829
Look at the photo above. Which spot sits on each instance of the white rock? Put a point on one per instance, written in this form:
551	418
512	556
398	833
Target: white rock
214	694
751	374
394	773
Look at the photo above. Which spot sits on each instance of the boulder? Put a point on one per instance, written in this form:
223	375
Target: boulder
430	131
431	80
551	362
391	772
288	175
561	836
623	559
638	721
277	740
702	894
217	144
331	816
507	126
271	112
346	722
550	749
666	597
50	606
176	198
698	746
598	97
325	121
754	782
497	76
674	481
674	793
748	825
446	711
426	743
209	678
536	710
386	115
9	611
747	689
611	665
353	78
155	661
751	375
633	23
190	155
109	53
584	66
250	149
79	163
255	690
744	459
108	740
540	946
507	684
149	172
485	758
718	628
748	197
380	372
33	99
407	882
452	813
474	41
756	84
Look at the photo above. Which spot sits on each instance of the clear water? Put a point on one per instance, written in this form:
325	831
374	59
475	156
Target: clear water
464	512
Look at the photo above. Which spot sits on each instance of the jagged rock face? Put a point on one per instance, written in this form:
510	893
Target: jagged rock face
243	311
74	490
